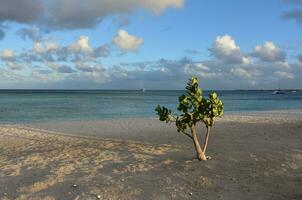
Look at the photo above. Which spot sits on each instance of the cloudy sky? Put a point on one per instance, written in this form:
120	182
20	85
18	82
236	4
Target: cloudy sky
156	44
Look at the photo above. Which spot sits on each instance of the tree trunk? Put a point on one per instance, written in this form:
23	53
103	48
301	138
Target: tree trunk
206	139
200	153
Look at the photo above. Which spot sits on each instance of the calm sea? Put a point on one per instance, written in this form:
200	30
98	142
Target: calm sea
55	105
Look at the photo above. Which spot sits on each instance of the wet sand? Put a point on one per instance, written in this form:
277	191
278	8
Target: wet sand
257	156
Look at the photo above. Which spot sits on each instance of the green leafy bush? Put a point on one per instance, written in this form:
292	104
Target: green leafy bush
194	108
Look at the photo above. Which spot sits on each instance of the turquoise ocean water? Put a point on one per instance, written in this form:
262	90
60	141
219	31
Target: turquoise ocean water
23	106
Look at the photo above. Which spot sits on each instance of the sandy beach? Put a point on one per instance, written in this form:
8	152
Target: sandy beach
255	156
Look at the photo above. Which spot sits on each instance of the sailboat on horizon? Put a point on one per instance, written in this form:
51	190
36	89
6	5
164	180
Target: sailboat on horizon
279	91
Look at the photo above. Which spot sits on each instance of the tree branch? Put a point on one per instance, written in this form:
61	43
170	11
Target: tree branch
187	134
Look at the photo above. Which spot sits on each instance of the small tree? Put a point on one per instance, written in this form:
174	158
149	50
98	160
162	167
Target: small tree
194	108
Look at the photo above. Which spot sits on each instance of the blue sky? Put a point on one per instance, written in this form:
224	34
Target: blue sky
156	44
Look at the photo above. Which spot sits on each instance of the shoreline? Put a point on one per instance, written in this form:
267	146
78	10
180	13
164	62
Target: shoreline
273	114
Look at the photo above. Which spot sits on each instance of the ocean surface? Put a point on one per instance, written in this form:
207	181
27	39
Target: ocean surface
26	106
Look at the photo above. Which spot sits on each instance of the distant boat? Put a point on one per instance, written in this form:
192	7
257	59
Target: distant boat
279	91
143	90
294	91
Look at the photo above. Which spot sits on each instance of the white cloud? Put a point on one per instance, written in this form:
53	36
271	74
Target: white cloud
71	14
157	6
201	66
127	42
78	51
225	49
246	60
85	68
282	65
282	74
71	64
200	70
7	76
40	47
50	52
89	67
269	52
81	45
7	54
75	14
241	72
209	74
14	66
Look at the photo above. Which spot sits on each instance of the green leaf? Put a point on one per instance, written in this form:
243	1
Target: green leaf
163	113
193	107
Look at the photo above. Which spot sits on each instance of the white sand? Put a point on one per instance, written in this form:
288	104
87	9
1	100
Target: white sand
255	156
